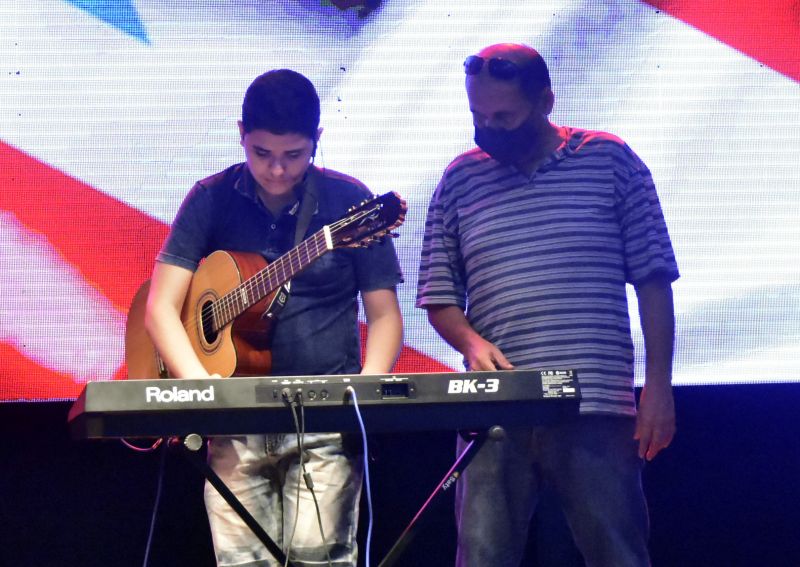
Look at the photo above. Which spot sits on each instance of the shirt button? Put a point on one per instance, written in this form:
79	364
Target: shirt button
272	226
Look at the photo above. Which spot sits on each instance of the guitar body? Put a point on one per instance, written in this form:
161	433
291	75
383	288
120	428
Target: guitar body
238	349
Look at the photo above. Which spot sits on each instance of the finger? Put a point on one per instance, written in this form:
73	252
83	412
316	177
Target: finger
644	438
661	441
653	450
654	447
643	447
502	361
481	363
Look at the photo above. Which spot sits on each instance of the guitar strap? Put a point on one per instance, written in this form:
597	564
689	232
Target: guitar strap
308	205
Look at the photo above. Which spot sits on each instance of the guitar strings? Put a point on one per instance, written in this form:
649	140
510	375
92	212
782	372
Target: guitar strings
229	306
227	301
231	300
215	310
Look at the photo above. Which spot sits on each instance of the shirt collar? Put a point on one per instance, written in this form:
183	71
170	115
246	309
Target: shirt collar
247	185
564	149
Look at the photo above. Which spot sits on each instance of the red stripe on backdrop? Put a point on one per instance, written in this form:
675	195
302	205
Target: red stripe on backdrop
766	31
110	243
22	379
411	360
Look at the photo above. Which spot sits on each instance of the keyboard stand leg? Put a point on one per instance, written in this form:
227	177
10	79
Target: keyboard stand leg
188	447
448	482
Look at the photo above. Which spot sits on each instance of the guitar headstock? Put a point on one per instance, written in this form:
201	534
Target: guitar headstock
369	222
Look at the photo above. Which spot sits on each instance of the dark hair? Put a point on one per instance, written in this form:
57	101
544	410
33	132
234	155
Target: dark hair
281	101
534	75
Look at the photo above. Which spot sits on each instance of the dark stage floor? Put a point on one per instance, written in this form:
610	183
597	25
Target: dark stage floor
725	494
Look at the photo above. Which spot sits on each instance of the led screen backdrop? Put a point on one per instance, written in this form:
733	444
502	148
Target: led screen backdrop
110	110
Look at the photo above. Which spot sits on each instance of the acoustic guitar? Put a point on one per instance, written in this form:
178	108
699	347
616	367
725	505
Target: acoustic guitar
233	296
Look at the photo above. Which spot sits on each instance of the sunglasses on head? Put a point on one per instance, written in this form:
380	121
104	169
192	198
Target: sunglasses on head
502	69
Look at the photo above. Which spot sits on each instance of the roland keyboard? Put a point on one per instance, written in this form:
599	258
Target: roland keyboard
389	402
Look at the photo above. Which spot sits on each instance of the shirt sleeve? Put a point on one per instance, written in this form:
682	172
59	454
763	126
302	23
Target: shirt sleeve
188	239
377	266
441	274
646	241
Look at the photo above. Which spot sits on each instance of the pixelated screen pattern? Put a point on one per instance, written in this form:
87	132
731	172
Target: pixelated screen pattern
111	110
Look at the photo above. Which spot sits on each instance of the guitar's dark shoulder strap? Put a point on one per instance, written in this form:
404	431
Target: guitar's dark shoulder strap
308	203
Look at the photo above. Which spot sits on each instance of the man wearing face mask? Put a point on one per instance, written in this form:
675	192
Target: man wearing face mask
530	241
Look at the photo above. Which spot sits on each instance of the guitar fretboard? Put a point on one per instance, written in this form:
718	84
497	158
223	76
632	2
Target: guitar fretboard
254	289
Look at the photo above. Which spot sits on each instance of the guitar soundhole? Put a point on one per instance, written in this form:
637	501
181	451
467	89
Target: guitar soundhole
209	334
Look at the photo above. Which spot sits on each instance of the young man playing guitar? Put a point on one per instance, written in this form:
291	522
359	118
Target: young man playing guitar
256	207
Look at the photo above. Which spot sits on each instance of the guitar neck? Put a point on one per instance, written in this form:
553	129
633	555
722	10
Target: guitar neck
365	223
260	285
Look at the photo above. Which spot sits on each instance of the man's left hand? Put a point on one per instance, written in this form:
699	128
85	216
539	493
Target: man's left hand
655	423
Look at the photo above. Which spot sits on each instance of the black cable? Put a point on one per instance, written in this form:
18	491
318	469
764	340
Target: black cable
310	482
300	430
286	394
156	444
159	487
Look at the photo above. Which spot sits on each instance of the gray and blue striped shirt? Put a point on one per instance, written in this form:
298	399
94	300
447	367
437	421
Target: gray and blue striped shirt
540	264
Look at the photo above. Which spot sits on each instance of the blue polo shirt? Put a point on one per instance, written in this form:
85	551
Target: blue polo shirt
540	262
317	332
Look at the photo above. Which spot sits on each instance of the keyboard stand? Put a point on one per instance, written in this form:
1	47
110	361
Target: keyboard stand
449	481
189	447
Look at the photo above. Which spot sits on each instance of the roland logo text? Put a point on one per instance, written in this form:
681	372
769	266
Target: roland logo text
175	395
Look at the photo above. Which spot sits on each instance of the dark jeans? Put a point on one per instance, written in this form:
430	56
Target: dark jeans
591	463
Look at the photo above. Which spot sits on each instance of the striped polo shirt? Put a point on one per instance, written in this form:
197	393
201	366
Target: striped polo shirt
540	263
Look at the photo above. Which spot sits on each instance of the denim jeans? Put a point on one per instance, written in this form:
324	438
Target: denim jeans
263	472
592	464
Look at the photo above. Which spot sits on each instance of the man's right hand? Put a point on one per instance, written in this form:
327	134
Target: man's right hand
452	325
483	355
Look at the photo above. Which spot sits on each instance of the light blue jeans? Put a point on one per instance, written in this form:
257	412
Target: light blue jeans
592	464
263	472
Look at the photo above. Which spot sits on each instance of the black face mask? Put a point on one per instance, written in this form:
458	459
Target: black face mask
509	147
